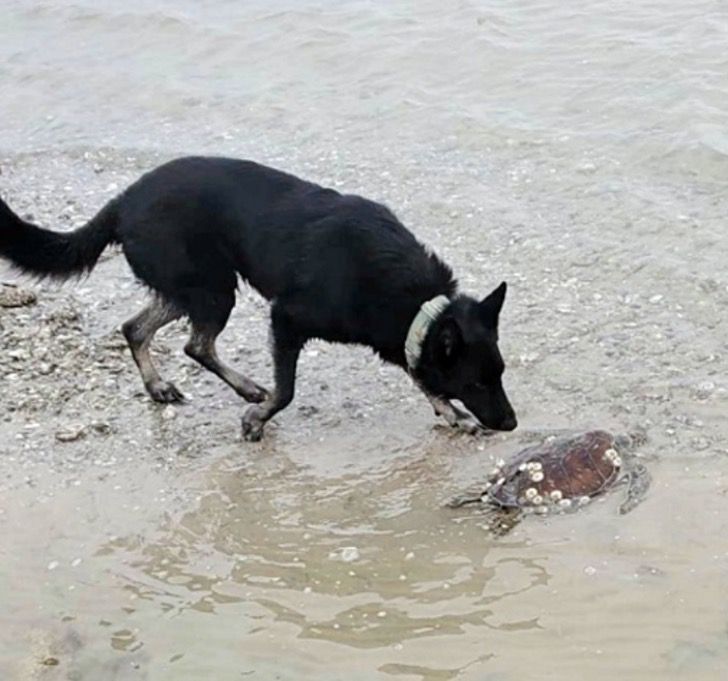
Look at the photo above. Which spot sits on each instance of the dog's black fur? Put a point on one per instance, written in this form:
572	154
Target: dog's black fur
334	266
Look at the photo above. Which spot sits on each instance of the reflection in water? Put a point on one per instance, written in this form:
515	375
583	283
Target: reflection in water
427	674
288	559
273	536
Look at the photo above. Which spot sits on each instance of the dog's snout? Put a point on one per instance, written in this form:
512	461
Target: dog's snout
509	423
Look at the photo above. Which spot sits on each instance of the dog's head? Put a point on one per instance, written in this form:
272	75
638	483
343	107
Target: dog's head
460	359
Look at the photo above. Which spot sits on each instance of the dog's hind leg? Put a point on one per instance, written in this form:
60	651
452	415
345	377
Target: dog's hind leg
209	314
286	348
201	348
139	332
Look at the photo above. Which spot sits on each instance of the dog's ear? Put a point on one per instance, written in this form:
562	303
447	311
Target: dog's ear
491	305
448	343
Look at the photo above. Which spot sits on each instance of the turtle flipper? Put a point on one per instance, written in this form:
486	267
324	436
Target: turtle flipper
500	519
503	520
465	499
638	483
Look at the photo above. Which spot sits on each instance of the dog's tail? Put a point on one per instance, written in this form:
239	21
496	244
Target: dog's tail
59	255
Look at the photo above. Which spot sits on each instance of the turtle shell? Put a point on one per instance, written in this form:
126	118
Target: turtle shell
558	473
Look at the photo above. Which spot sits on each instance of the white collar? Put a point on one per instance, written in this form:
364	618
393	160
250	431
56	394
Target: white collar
429	311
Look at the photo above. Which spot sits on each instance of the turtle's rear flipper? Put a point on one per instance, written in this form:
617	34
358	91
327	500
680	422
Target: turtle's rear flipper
638	483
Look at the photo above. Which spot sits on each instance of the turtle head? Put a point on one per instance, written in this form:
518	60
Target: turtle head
626	442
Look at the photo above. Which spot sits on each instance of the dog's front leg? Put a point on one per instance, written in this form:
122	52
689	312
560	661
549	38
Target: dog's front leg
456	418
286	348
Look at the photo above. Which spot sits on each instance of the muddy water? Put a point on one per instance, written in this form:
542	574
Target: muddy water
580	154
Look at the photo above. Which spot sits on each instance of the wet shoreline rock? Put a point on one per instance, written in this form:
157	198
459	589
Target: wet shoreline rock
15	296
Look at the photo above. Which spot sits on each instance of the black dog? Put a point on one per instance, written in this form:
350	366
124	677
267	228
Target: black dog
335	266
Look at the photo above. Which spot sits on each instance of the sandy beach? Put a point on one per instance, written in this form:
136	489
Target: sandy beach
583	162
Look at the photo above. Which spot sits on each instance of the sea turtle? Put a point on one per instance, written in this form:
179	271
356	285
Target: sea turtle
560	475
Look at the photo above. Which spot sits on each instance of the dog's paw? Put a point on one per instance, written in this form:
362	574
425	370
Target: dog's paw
164	392
468	424
253	425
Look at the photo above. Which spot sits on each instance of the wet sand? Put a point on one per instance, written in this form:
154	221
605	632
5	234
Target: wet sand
576	153
157	544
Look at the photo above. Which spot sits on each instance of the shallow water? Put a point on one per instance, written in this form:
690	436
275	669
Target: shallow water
578	153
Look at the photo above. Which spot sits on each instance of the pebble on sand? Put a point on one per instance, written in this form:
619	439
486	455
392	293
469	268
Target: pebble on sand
14	296
70	433
346	554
